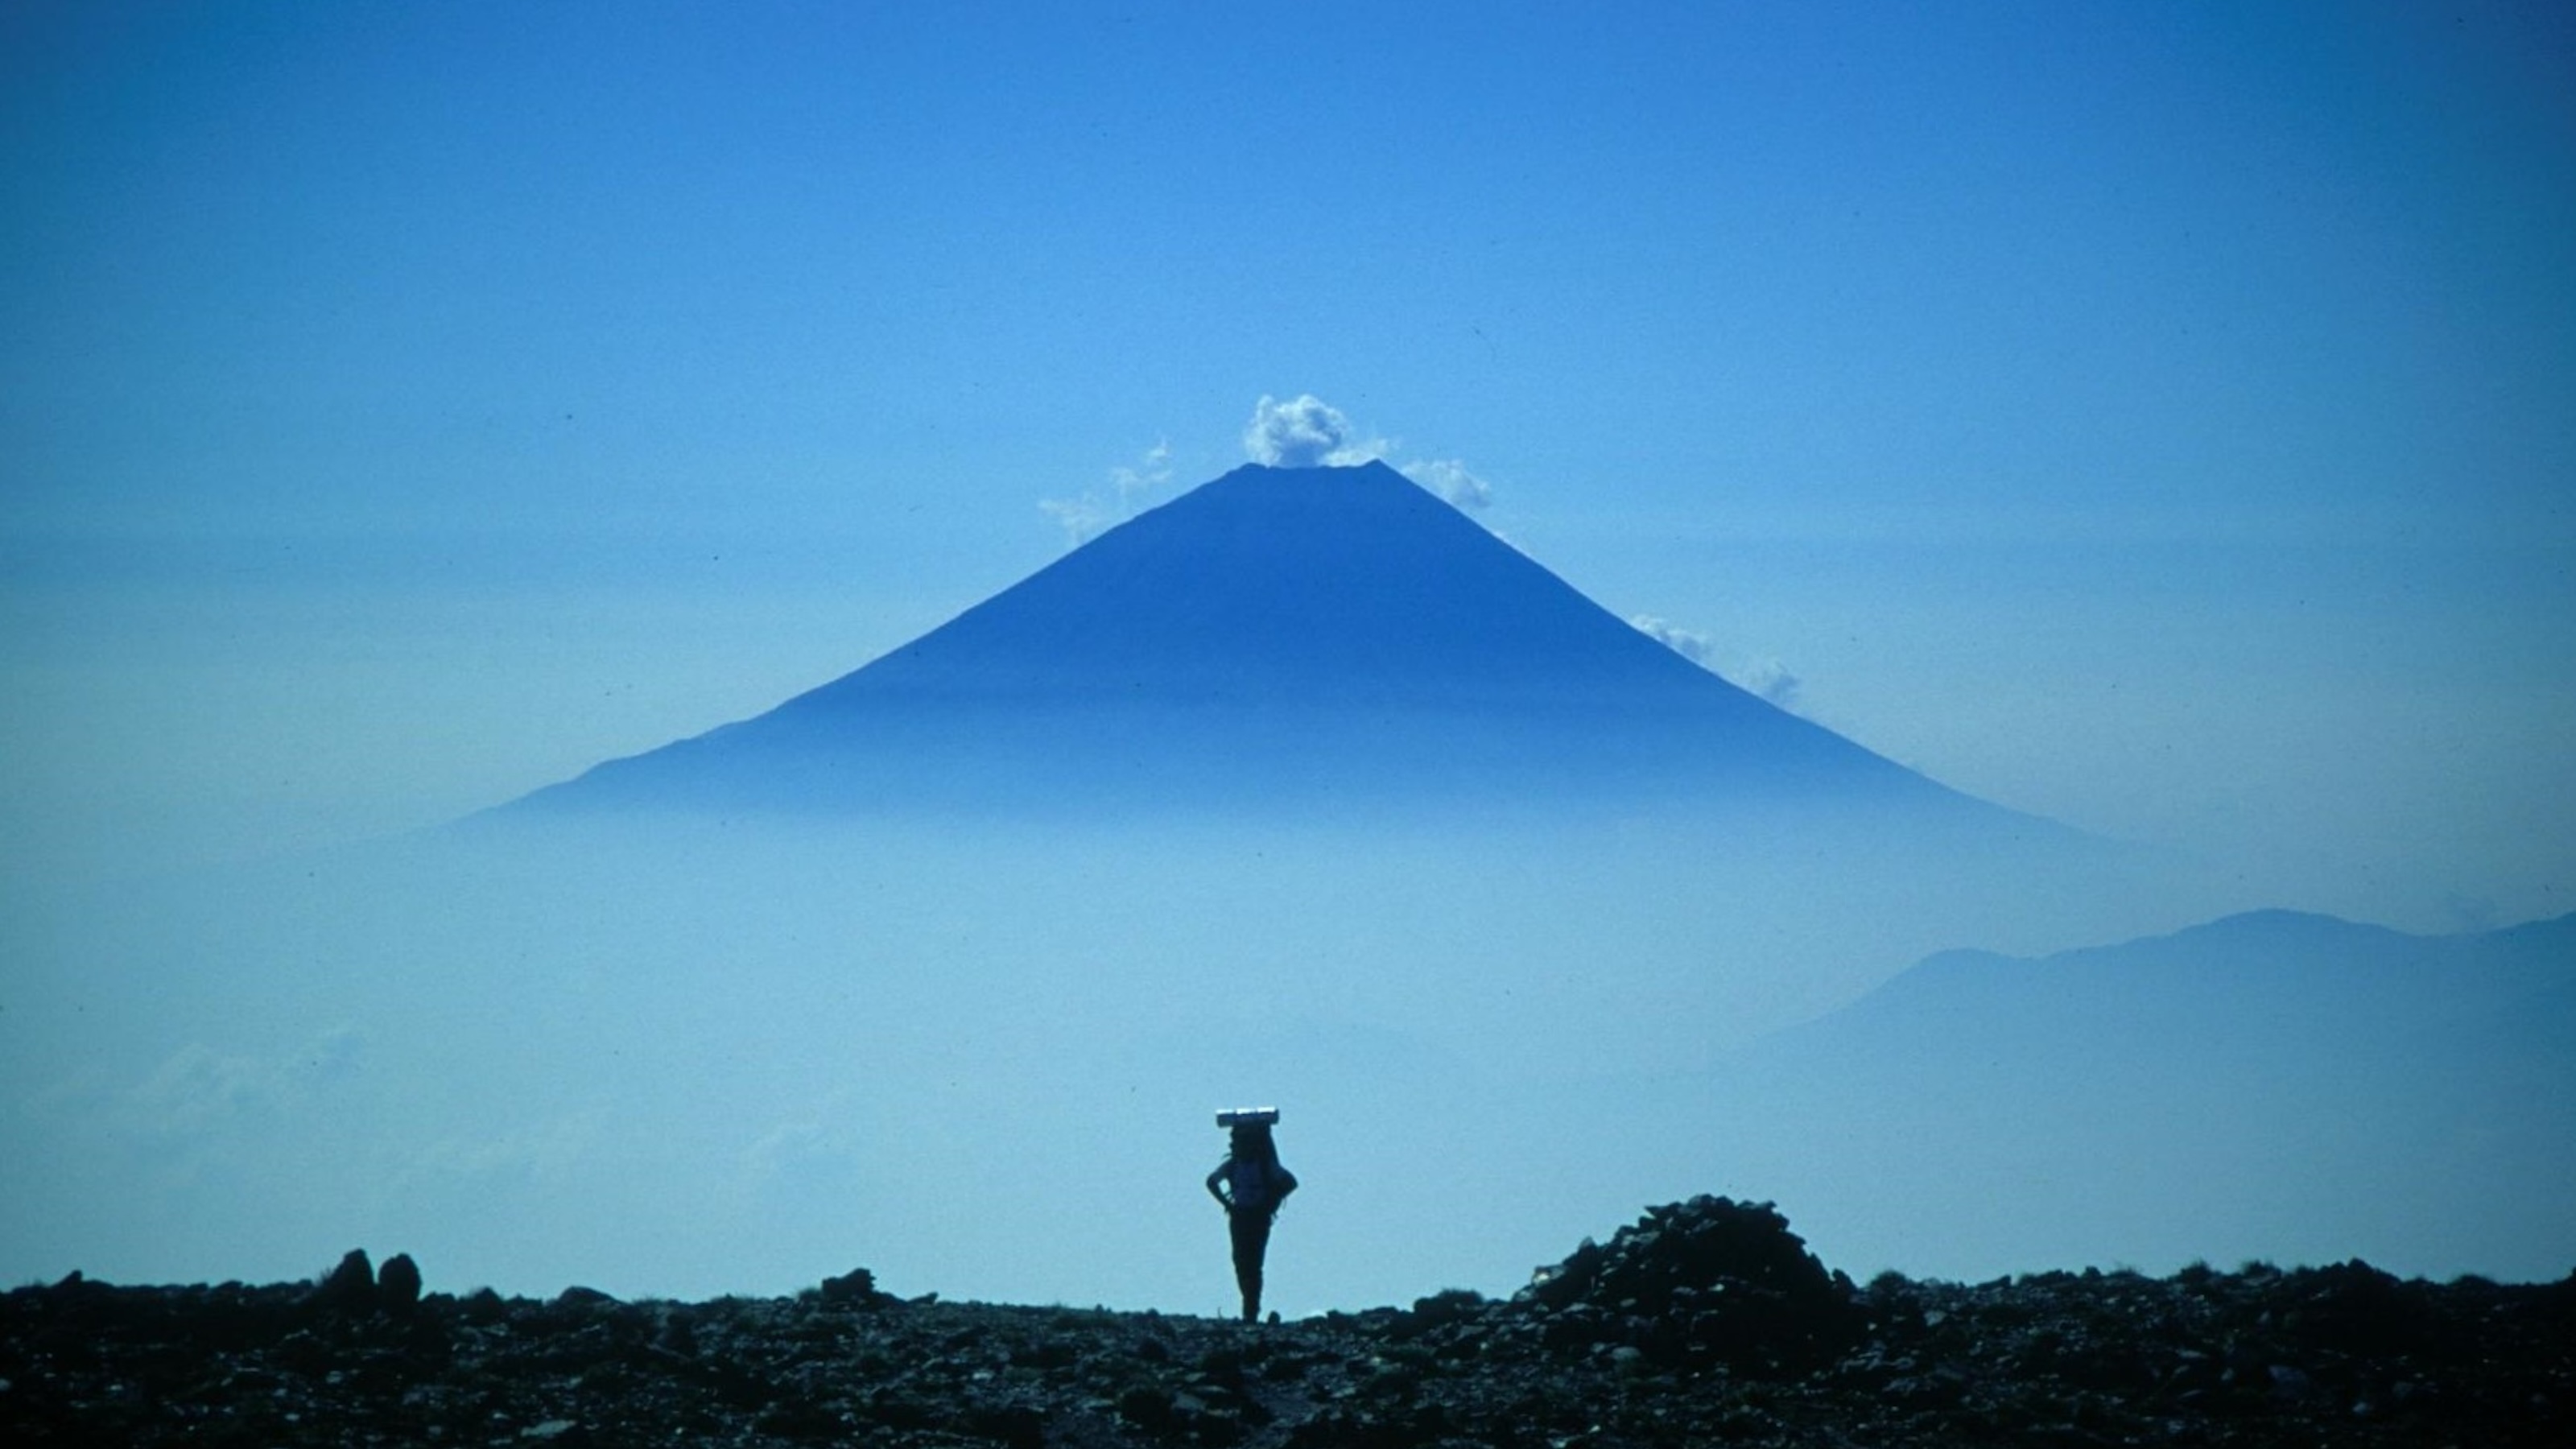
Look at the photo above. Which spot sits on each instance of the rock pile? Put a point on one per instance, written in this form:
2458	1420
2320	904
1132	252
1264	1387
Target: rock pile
1709	1280
1706	1322
356	1287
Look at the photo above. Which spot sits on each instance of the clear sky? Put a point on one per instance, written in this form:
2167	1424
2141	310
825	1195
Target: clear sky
2161	417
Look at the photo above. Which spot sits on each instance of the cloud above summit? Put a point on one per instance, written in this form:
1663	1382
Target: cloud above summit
1308	432
1302	432
1305	432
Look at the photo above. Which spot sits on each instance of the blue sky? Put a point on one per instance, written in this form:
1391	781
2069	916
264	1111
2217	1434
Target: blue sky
2160	417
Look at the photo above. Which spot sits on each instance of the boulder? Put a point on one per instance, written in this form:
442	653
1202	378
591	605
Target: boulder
348	1288
398	1285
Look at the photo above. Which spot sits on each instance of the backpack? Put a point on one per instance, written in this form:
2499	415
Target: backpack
1258	1185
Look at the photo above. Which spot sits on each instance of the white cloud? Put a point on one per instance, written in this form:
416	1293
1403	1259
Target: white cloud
1768	678
1085	517
1141	482
1081	518
1449	480
200	1107
1305	432
1758	675
198	1091
801	1154
1689	644
550	1148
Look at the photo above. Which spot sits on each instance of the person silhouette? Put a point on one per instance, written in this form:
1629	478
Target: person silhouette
1250	1185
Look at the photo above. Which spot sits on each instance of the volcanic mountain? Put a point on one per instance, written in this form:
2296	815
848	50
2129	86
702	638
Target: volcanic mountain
1279	638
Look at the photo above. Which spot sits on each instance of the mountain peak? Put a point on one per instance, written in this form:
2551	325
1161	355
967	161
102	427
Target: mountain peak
1286	587
1276	634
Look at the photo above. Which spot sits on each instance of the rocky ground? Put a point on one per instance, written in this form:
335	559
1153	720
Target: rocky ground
1706	1322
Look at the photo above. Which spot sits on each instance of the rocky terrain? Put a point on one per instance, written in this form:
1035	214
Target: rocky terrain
1704	1322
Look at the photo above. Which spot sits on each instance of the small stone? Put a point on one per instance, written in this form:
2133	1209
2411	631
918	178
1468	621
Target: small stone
1146	1407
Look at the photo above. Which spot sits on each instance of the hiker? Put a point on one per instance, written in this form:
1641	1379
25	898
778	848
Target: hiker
1250	1185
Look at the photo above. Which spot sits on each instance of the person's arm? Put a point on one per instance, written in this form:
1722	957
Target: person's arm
1284	1181
1218	1192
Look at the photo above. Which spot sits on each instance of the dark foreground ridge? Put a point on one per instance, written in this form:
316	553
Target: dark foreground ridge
1706	1322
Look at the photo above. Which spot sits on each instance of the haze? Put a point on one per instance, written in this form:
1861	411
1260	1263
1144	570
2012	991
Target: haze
2158	422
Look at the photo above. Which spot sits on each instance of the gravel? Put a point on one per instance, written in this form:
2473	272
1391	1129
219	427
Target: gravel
1706	1322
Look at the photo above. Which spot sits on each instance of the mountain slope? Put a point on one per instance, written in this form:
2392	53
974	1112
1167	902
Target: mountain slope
1321	636
2274	1084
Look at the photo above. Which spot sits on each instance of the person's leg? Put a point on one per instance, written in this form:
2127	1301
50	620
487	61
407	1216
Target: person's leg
1251	1240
